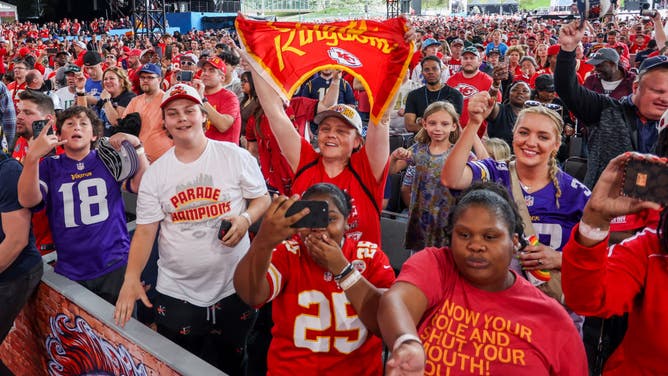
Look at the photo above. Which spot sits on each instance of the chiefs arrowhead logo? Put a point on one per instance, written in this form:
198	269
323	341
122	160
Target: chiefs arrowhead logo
344	57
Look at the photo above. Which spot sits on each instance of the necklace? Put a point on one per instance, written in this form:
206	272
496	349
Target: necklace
525	187
426	96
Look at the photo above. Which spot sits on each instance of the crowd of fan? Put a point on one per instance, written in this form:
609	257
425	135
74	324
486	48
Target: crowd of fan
479	90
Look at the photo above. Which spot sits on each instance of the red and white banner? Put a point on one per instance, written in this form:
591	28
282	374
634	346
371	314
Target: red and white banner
288	53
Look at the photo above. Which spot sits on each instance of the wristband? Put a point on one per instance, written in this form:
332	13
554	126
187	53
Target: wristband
139	151
405	338
346	270
81	94
248	218
352	279
593	233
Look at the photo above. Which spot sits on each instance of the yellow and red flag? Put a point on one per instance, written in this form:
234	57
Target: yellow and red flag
288	53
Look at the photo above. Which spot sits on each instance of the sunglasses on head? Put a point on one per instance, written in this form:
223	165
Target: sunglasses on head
551	106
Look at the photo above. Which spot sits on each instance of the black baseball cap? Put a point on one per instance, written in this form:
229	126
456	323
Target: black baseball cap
545	82
92	58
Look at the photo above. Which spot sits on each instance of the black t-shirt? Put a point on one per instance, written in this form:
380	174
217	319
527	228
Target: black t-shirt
419	99
10	170
502	126
123	99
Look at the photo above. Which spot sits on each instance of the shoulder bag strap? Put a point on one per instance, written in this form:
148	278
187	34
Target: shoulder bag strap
518	196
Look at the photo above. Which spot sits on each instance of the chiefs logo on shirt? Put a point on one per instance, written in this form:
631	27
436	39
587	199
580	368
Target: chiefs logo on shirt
466	90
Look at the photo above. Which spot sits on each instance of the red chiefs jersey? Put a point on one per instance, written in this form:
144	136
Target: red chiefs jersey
468	87
16	89
363	222
40	222
316	329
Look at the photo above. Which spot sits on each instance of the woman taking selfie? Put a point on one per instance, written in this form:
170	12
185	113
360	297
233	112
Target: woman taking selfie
460	310
324	289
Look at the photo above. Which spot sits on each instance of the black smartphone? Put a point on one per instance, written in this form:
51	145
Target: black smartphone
646	180
318	217
51	51
185	76
225	226
37	127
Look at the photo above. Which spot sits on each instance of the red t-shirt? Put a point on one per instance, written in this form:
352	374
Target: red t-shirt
363	222
584	68
469	331
316	329
16	90
3	53
225	102
468	87
275	168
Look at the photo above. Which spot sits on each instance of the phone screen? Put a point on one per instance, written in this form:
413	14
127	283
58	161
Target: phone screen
318	217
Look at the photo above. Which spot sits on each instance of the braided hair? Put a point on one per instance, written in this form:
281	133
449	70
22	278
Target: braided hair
553	168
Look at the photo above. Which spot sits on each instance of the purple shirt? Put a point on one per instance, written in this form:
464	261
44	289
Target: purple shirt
553	224
86	215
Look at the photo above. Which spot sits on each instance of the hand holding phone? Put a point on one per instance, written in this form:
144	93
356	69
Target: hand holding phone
37	127
185	76
646	179
225	226
318	217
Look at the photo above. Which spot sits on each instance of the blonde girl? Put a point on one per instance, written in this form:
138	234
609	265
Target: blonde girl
430	201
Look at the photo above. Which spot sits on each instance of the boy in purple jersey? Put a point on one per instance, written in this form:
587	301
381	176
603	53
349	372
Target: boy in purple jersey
83	200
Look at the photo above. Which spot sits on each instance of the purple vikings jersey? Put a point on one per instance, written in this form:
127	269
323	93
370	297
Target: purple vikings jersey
86	215
553	224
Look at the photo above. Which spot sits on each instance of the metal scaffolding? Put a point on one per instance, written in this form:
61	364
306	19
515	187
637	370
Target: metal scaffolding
148	18
395	8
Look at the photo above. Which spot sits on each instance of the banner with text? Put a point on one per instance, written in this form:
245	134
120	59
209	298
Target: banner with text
288	53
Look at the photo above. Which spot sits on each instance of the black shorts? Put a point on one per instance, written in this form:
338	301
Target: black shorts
217	333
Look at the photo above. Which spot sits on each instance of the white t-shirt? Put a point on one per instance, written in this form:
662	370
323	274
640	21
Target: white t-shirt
418	77
189	200
397	125
67	99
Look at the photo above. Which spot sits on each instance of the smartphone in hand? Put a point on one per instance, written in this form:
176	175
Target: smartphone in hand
185	76
646	179
225	226
37	127
318	217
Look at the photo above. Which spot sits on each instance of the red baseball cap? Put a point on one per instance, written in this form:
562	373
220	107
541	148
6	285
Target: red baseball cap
216	62
24	51
553	50
135	52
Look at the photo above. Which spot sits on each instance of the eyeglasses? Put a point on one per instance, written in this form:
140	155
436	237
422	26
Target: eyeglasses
551	106
147	78
244	81
188	63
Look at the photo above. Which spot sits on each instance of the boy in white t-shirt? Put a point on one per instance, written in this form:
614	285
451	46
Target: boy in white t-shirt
186	193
